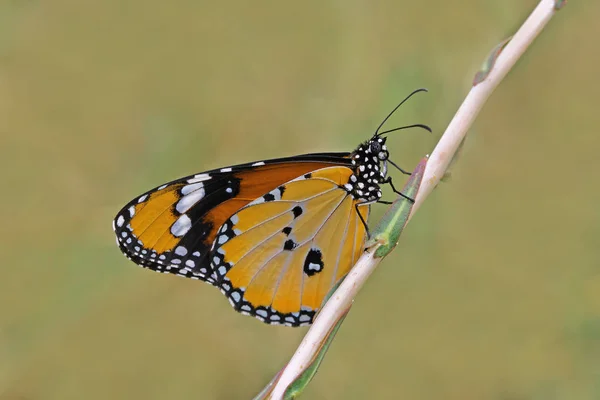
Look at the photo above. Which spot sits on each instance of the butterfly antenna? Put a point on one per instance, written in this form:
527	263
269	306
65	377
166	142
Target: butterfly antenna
407	127
398	106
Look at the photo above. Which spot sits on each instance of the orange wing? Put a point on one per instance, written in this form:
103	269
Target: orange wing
279	256
171	228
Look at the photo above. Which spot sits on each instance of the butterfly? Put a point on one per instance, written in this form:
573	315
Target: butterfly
274	236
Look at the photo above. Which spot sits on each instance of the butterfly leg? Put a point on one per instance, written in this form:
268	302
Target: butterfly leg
389	180
362	219
398	168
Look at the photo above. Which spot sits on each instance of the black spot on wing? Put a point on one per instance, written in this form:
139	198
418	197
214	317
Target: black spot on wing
313	263
297	211
287	230
269	197
289	245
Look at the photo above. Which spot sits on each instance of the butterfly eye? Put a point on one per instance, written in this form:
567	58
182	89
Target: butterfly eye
375	147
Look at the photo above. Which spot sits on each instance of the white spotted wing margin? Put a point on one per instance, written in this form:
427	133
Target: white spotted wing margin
279	267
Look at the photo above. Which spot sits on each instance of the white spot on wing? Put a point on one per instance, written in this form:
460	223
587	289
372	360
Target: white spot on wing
181	226
262	313
162	187
225	169
192	188
234	219
222	239
315	267
142	198
186	202
120	221
131	211
258	164
304	318
180	251
199	178
276	194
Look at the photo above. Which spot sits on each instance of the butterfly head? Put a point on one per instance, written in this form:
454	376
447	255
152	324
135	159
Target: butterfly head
377	146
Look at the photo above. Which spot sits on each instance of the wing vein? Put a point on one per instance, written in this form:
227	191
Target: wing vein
264	264
274	217
313	239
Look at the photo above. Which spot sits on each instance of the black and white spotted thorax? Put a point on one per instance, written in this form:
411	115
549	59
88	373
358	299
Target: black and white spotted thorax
369	163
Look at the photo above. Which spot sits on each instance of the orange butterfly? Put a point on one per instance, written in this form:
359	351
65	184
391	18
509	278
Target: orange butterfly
274	236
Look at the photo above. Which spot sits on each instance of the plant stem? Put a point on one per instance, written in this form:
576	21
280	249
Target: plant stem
498	66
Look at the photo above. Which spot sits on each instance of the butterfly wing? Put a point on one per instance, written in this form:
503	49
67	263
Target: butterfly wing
278	257
171	228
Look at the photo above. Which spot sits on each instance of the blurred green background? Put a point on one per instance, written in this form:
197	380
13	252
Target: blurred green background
493	292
